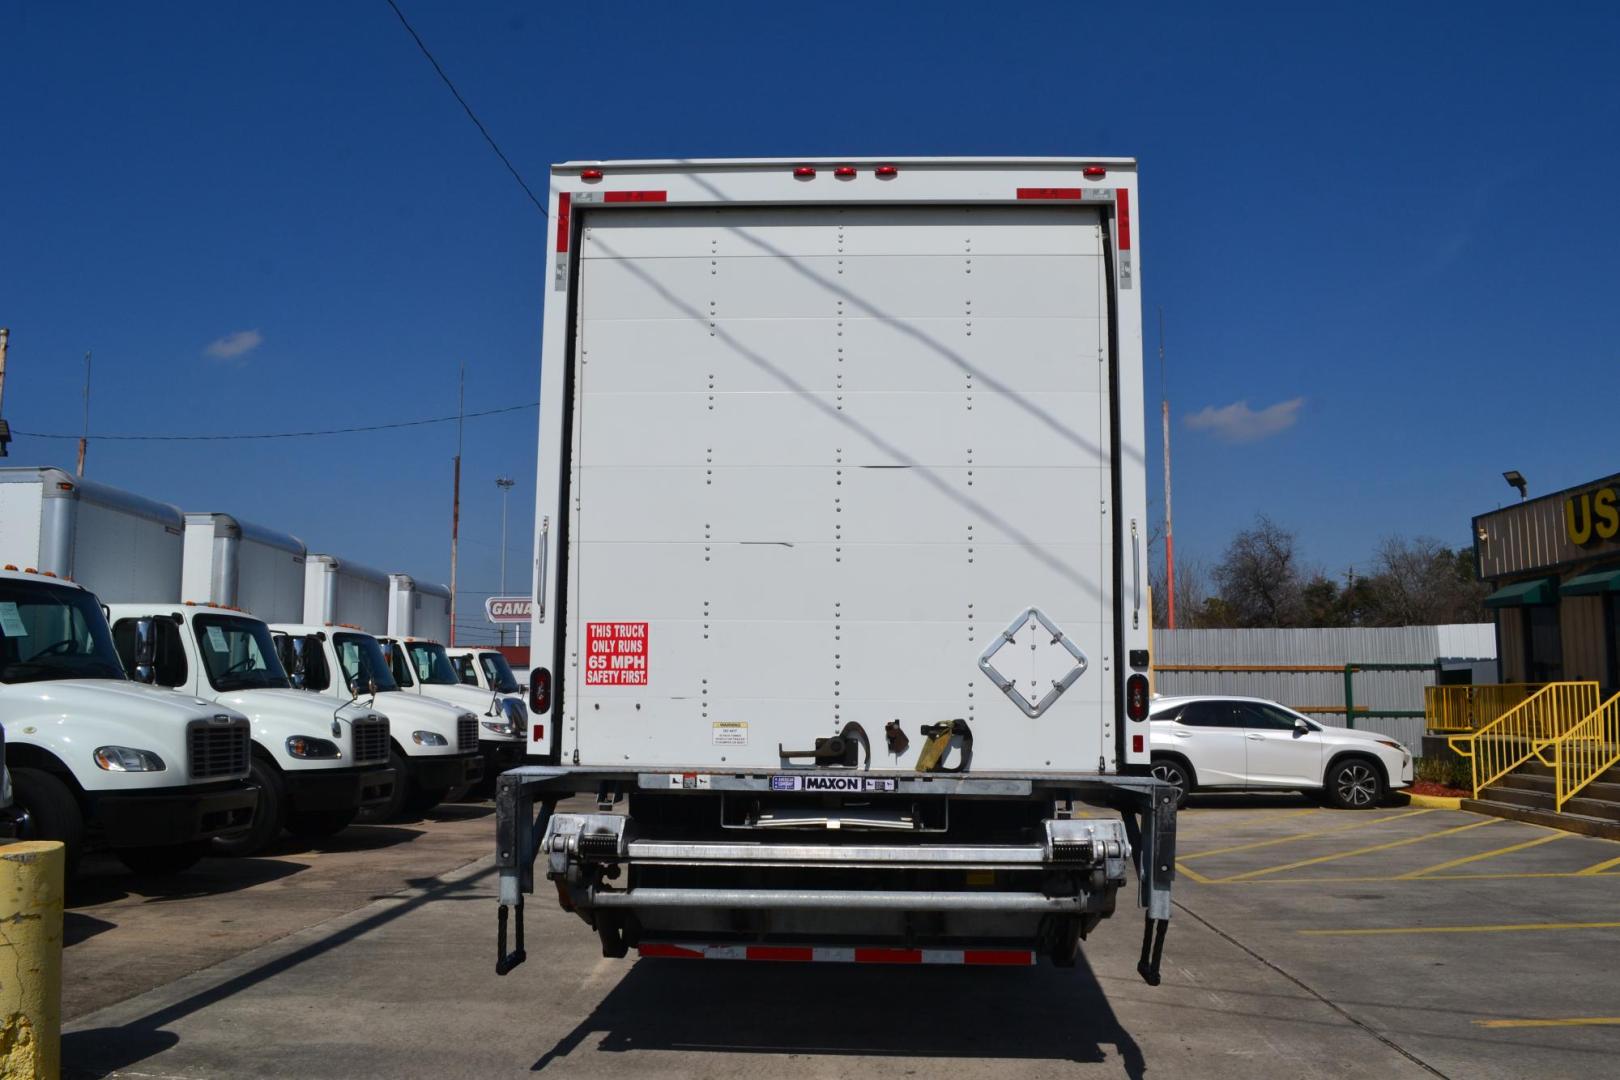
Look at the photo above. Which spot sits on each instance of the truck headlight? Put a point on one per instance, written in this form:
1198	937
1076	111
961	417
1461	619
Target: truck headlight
305	746
500	727
127	759
429	738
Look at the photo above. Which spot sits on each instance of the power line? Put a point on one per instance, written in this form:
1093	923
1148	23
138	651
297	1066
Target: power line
280	434
479	124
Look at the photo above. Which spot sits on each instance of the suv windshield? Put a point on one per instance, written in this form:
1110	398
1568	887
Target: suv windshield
362	658
237	653
53	632
432	664
498	673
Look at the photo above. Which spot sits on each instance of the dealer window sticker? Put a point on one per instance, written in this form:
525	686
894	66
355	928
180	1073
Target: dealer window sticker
11	623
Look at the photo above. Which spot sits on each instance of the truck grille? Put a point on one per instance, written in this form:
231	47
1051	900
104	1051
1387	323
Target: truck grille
218	748
370	741
467	734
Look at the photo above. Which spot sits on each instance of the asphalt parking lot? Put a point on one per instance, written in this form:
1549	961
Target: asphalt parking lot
1393	943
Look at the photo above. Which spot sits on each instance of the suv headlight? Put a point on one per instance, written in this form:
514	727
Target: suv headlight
429	738
127	759
304	746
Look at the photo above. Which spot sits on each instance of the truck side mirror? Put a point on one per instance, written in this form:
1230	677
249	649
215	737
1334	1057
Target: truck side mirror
300	666
145	651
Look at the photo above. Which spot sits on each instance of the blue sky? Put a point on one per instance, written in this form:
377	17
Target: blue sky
1384	236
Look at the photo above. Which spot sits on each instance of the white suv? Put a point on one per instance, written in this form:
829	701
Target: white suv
1206	742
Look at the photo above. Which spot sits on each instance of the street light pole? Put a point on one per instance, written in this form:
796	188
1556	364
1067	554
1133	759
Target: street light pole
505	483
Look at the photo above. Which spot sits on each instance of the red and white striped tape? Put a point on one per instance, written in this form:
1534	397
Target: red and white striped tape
822	954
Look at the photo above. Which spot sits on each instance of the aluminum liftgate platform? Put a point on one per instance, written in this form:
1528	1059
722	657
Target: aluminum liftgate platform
526	798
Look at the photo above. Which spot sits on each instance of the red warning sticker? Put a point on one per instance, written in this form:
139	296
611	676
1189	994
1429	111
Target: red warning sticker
616	654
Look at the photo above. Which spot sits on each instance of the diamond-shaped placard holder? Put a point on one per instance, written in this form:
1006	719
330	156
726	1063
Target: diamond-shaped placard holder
1008	686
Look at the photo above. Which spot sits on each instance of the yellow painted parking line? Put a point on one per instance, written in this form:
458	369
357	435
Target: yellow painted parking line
1252	845
1183	868
1246	875
1385	879
1503	928
1599	867
1567	1021
1466	859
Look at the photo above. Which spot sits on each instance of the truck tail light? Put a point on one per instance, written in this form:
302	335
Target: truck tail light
540	690
590	174
1095	172
1136	697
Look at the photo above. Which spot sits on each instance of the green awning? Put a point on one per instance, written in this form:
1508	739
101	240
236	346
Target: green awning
1524	593
1589	584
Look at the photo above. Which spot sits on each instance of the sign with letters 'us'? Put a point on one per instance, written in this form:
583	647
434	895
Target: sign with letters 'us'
616	654
1592	515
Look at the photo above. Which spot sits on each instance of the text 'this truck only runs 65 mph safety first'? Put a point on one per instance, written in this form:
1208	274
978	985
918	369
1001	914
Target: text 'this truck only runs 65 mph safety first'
839	601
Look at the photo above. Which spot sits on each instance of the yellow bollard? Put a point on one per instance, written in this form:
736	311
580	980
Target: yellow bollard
31	960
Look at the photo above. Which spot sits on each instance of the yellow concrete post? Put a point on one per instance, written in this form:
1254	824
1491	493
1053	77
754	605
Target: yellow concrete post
31	960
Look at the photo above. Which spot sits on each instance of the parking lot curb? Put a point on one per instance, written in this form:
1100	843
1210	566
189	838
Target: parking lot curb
1435	802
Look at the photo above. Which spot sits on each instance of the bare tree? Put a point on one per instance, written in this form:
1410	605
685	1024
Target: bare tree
1261	577
1192	592
1422	582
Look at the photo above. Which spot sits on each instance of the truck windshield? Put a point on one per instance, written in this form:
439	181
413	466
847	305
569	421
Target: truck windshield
432	664
238	654
498	673
53	632
362	658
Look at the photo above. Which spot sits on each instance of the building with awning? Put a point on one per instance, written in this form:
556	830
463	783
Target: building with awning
1554	566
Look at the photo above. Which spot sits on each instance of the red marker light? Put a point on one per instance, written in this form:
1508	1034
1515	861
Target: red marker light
844	172
590	174
1136	697
1136	744
1095	172
804	172
886	172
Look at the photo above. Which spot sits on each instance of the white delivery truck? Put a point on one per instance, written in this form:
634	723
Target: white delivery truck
422	666
121	545
97	760
237	564
486	668
433	746
344	593
315	766
417	609
839	598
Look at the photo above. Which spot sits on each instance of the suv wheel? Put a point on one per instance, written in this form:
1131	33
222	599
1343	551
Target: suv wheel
1176	775
1354	784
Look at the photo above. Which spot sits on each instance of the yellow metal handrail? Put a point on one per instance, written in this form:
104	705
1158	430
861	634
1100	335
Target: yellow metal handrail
1469	707
1587	750
1524	730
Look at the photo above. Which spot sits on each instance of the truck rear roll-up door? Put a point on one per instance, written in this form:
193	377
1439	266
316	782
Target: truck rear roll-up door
822	457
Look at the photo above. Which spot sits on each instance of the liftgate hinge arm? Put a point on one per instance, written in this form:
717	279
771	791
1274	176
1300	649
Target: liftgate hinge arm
519	833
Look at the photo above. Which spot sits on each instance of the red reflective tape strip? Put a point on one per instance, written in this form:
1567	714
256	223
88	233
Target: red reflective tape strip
1049	193
1000	957
799	954
564	201
672	952
634	196
888	956
1122	200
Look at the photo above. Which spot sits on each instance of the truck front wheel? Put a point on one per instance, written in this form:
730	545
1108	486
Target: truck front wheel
53	812
267	815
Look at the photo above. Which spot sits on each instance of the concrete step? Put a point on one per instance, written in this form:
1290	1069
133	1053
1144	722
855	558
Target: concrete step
1534	767
1544	800
1607	792
1575	823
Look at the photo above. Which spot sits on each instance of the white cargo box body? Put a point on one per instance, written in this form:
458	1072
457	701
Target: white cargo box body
346	593
818	442
418	609
121	546
235	563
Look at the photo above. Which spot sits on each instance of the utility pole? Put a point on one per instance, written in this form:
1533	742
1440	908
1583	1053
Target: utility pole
505	483
455	496
84	440
1169	531
5	428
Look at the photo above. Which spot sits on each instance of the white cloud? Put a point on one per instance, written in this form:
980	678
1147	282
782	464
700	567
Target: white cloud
1238	423
234	345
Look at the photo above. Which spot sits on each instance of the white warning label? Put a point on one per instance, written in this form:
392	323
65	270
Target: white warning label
730	733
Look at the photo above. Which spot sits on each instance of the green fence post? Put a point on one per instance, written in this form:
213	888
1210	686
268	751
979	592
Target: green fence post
1349	696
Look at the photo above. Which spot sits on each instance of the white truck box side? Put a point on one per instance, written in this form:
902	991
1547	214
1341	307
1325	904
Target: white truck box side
120	545
238	564
418	609
339	591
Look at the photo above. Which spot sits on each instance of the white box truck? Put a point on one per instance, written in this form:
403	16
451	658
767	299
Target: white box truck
120	545
433	747
487	668
343	592
422	666
316	767
839	597
99	761
417	609
234	563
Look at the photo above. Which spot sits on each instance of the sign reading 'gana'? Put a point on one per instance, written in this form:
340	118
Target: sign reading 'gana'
508	609
1592	515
